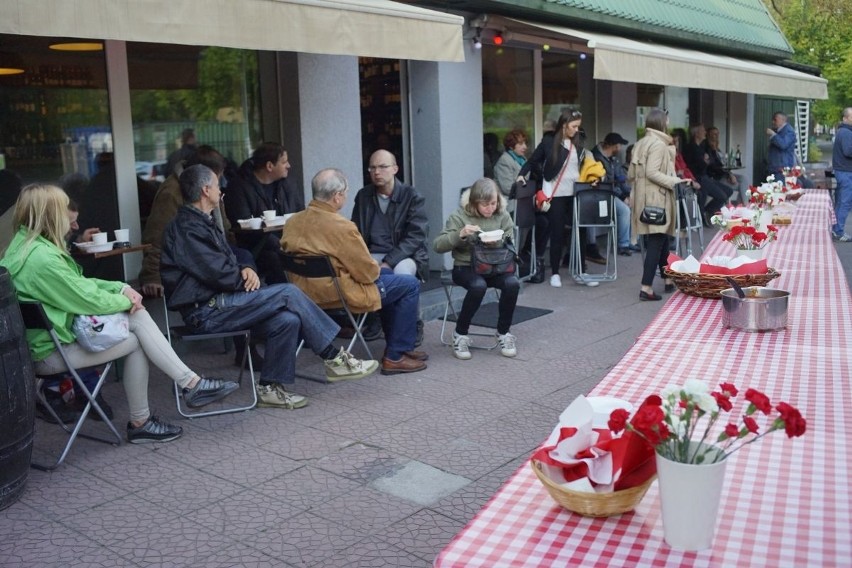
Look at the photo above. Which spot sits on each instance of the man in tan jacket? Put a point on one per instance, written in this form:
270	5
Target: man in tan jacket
321	230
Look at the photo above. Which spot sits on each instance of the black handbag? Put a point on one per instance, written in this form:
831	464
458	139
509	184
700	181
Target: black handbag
653	215
491	261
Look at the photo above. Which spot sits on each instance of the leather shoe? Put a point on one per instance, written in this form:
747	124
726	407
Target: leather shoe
595	258
538	277
646	297
417	355
625	252
635	248
404	365
669	288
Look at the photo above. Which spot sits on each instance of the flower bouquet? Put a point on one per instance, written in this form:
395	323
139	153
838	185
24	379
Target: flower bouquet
747	237
691	460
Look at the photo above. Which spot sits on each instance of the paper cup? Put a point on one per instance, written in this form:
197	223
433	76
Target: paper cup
122	235
254	223
269	214
100	238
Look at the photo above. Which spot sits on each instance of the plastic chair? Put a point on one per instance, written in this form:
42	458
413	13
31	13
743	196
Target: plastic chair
689	221
186	333
319	266
35	318
594	207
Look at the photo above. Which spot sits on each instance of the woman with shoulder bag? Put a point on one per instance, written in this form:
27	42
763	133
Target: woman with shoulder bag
652	174
560	167
43	271
483	209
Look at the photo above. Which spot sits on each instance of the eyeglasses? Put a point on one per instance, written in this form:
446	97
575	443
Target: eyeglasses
372	169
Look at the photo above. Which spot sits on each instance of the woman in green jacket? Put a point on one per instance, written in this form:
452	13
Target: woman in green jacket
42	270
483	209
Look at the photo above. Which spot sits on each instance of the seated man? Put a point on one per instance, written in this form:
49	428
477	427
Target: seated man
213	292
392	222
260	186
607	153
696	158
716	165
321	230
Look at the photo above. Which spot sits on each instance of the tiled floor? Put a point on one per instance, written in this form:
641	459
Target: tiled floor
304	488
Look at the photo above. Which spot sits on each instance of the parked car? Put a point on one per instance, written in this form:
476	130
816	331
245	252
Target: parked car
155	171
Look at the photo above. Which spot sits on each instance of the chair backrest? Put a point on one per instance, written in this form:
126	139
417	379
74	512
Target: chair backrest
34	316
308	266
593	204
525	204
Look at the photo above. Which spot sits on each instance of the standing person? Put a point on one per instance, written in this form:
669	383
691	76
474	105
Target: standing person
482	209
262	185
782	146
841	162
560	167
42	271
322	230
392	221
652	173
213	291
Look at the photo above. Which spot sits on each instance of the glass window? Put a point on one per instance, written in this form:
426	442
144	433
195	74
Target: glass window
559	84
507	98
381	110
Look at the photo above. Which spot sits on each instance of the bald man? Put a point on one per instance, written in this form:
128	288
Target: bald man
391	218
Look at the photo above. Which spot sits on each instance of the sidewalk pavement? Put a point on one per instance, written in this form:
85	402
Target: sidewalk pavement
382	471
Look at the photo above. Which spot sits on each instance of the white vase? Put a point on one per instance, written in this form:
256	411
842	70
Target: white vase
754	254
689	498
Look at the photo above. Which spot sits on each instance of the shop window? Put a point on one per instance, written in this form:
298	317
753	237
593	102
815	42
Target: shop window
559	84
381	110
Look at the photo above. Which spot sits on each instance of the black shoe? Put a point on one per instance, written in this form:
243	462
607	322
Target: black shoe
624	251
372	331
256	359
207	391
646	297
154	430
669	288
67	414
595	256
418	341
635	248
538	277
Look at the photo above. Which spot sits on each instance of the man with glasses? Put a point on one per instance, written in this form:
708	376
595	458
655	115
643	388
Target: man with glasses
367	286
391	218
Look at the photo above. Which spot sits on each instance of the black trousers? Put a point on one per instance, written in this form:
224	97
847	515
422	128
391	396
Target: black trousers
561	214
476	286
656	256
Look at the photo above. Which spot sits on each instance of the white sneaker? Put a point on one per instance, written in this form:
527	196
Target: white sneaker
344	366
274	396
461	346
507	345
556	281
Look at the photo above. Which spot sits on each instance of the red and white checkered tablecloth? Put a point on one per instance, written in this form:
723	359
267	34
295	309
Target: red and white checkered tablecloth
785	502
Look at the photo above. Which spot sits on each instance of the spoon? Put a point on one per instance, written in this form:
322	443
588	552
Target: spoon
737	288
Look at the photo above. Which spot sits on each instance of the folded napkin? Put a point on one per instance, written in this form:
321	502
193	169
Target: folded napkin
723	265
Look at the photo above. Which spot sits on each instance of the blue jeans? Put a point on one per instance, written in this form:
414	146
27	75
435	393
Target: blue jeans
280	313
843	200
622	221
400	306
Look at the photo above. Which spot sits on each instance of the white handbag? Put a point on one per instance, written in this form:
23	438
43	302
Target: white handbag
99	333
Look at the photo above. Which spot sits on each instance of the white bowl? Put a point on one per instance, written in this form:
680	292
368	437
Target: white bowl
253	223
92	248
491	236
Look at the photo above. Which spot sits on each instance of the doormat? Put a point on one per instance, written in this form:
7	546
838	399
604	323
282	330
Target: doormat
486	315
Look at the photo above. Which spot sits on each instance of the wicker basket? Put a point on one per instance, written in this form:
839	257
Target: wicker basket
593	504
711	285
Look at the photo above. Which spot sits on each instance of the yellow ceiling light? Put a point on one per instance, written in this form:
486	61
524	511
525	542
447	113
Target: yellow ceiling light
78	46
11	64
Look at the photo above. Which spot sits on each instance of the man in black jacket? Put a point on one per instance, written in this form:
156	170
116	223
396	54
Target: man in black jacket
214	292
697	160
390	217
262	185
607	153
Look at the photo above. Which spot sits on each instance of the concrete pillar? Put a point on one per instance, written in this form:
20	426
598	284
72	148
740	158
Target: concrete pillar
446	127
616	111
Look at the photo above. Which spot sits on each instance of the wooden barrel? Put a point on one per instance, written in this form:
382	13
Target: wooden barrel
17	397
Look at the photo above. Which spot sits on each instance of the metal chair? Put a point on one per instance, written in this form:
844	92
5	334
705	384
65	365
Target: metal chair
524	217
594	207
688	221
319	266
449	286
35	317
186	333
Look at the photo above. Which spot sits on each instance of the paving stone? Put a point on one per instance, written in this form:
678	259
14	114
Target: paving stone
306	487
419	483
361	463
365	509
376	553
246	514
425	533
241	556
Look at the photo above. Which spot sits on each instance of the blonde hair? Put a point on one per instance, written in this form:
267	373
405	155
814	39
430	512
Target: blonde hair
483	191
42	209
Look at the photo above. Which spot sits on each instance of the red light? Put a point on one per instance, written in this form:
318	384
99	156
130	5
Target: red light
498	39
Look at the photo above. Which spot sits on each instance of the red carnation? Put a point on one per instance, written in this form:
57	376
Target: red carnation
729	389
794	424
618	420
732	431
759	400
750	424
723	401
650	422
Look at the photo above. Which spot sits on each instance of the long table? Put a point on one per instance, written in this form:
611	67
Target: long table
785	502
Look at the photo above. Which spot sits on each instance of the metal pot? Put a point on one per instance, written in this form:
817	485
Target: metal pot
762	309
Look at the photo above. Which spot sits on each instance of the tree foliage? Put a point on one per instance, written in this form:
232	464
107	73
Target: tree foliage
820	32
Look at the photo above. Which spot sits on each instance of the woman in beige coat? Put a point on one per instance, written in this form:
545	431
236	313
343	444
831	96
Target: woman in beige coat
652	174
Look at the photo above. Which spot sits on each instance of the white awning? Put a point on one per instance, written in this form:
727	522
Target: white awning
631	61
372	28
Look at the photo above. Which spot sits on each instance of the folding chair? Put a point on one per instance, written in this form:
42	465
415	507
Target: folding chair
449	286
689	221
319	266
594	207
186	333
35	318
525	221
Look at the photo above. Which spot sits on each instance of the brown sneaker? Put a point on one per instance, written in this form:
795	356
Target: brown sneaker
404	365
417	355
